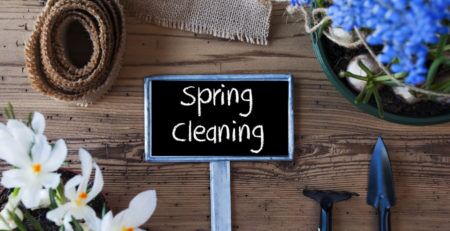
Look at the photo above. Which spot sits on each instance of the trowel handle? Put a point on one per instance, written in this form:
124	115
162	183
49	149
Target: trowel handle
385	219
325	219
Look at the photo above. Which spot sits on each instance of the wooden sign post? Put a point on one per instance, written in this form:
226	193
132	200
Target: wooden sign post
218	119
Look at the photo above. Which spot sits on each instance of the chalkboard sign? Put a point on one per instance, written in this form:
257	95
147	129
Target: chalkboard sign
199	118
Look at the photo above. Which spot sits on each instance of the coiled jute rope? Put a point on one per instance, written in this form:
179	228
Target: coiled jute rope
51	70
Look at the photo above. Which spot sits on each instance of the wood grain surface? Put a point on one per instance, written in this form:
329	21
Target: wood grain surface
333	140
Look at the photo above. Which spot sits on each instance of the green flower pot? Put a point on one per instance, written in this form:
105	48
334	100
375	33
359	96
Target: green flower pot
368	108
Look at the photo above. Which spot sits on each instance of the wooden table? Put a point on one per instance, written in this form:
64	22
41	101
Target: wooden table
333	139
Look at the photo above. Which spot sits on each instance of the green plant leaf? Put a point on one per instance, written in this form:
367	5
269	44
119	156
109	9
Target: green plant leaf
9	111
76	225
17	220
384	78
442	44
433	71
15	192
52	195
368	95
379	103
365	69
360	96
29	119
60	193
33	221
104	210
346	74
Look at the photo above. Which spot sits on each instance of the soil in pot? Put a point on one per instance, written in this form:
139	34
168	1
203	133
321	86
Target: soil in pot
97	204
339	57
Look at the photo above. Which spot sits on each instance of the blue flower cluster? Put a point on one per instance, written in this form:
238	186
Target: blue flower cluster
300	2
403	27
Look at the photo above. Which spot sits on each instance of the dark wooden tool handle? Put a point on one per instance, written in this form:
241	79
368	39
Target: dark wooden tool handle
325	219
385	219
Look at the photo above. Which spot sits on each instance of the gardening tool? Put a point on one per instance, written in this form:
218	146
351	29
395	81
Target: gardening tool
381	194
326	200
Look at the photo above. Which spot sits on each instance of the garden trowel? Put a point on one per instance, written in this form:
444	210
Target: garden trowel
326	199
381	193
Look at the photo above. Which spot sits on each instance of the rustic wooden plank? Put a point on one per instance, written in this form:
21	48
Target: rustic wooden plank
333	139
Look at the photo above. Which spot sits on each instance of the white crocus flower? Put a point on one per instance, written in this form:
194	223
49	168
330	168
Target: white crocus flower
44	199
6	221
138	212
78	196
35	161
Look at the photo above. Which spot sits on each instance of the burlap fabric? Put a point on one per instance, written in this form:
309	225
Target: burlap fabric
245	20
52	72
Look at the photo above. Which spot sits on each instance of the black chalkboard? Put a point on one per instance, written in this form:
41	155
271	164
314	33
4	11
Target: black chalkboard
219	117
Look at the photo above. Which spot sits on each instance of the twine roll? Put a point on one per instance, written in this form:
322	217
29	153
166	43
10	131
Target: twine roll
51	69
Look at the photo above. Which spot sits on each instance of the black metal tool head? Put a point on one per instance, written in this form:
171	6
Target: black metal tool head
381	191
327	198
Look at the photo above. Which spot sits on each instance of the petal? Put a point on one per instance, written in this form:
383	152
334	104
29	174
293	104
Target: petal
69	188
10	224
98	184
4	226
77	212
44	198
90	217
86	162
57	215
141	209
86	169
29	197
3	131
67	219
13	153
13	201
14	178
38	123
50	180
118	220
40	151
106	224
57	156
21	133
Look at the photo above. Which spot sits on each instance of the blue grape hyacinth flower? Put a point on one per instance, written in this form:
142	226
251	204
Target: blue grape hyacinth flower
404	28
300	2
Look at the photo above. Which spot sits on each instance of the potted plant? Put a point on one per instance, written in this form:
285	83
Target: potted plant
388	57
40	195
